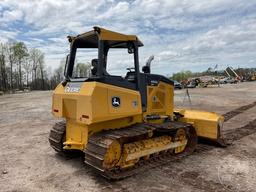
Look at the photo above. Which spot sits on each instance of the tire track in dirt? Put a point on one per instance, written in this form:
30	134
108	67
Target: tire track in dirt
236	134
230	136
193	178
238	111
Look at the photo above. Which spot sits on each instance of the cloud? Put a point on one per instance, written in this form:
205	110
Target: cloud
232	44
7	35
119	9
181	34
13	15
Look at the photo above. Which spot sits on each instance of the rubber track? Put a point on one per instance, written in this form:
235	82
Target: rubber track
98	145
56	136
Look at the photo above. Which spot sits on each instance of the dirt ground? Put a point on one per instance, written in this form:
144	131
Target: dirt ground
27	163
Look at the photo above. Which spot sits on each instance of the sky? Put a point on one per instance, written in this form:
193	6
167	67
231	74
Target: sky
181	34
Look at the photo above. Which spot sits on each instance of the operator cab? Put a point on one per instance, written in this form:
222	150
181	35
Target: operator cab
103	41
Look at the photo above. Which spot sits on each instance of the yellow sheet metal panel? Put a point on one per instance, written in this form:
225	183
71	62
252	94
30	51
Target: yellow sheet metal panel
160	100
112	102
57	105
114	36
92	102
67	99
129	102
70	108
108	35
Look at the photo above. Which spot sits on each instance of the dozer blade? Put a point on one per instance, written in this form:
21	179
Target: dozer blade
208	125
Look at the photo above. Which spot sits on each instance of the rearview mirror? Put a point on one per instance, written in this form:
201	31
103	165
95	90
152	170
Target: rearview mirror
130	48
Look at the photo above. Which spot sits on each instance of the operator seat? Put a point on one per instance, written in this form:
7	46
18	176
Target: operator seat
94	63
94	69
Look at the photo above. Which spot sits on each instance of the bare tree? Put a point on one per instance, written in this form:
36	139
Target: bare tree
35	55
20	53
41	68
81	70
15	61
28	67
3	79
10	54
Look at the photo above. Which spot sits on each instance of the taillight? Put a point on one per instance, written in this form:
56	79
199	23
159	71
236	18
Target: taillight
85	116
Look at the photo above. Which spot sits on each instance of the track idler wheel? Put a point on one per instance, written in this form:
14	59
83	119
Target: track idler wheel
182	137
112	155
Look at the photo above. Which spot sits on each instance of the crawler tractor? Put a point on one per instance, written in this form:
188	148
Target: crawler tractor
122	123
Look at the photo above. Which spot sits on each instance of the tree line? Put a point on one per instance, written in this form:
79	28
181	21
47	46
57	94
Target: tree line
246	74
22	68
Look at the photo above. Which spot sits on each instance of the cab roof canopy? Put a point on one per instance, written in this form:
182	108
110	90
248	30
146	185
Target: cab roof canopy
112	39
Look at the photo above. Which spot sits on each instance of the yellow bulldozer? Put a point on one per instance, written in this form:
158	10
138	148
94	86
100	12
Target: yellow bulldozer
119	123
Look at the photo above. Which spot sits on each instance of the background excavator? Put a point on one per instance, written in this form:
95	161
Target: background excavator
121	122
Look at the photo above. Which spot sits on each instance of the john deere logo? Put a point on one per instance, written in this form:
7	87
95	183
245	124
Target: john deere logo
116	101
